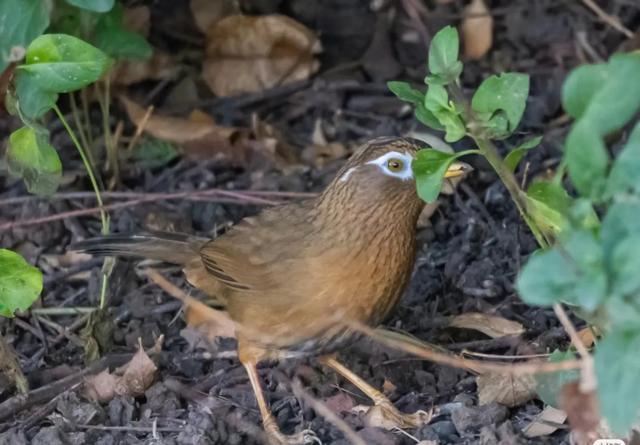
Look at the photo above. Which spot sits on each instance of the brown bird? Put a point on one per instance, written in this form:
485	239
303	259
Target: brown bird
296	277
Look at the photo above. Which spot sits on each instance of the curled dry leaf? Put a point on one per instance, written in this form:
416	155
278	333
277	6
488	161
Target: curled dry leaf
509	390
491	325
131	379
544	423
206	13
477	30
248	54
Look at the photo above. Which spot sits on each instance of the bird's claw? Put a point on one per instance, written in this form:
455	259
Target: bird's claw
304	437
385	415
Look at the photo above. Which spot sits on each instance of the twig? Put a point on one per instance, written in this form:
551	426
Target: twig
324	411
140	129
609	19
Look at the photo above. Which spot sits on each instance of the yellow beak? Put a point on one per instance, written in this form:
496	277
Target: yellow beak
458	169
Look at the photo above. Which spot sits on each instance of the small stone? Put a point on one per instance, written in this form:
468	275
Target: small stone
469	419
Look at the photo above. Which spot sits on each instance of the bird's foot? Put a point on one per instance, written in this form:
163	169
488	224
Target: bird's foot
276	437
385	415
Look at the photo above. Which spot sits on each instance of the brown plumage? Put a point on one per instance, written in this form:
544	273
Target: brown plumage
294	276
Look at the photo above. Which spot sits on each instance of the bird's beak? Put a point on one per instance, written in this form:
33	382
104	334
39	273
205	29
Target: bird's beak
458	169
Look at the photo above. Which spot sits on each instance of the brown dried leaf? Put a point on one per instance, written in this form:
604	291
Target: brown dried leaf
586	336
540	426
509	390
100	387
491	325
206	12
477	30
137	374
248	54
581	408
160	66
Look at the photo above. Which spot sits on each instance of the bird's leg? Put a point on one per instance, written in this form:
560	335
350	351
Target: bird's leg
275	436
391	416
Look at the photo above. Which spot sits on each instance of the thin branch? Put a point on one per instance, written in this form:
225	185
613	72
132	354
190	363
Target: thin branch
609	19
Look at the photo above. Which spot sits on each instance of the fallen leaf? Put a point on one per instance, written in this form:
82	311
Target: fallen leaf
321	152
581	408
340	403
248	54
509	390
540	426
160	66
206	13
477	30
131	379
491	325
388	387
586	336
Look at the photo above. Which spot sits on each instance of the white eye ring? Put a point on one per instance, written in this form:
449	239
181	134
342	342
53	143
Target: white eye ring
404	174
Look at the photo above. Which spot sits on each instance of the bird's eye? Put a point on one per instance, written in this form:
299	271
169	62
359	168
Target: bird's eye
395	165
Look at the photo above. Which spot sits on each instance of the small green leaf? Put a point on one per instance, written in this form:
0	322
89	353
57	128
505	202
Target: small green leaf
503	93
61	63
113	38
405	92
93	5
153	153
437	102
33	100
443	54
617	366
620	223
548	385
580	86
21	21
429	169
515	156
548	203
30	157
427	117
20	283
587	159
624	173
573	273
625	267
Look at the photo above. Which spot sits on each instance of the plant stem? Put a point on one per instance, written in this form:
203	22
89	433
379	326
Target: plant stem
79	125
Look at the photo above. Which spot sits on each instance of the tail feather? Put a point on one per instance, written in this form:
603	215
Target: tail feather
174	248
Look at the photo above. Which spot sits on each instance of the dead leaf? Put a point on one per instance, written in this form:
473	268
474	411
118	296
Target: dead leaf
160	66
581	408
509	390
388	387
340	403
540	426
586	336
491	325
477	30
206	13
248	54
131	379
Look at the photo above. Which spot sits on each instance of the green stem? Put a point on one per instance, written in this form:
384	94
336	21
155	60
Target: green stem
80	127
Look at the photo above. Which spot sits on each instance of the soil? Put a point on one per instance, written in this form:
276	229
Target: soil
468	258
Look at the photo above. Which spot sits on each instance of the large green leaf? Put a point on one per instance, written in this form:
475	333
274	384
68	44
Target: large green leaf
625	173
621	222
505	93
429	169
20	283
93	5
61	63
21	21
33	100
548	204
30	157
580	86
625	267
617	365
549	385
587	159
113	38
443	56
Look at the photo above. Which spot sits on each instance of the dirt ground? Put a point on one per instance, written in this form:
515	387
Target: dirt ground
467	261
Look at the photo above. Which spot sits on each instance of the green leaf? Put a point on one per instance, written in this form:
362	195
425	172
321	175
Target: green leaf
21	21
581	85
437	102
548	385
443	54
93	5
20	283
620	223
515	156
405	92
30	157
33	100
617	365
61	63
573	273
152	153
548	204
625	173
427	117
505	93
582	215
429	169
587	160
604	94
625	267
113	38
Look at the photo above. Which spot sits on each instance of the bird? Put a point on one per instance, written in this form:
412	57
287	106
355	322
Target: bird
296	277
